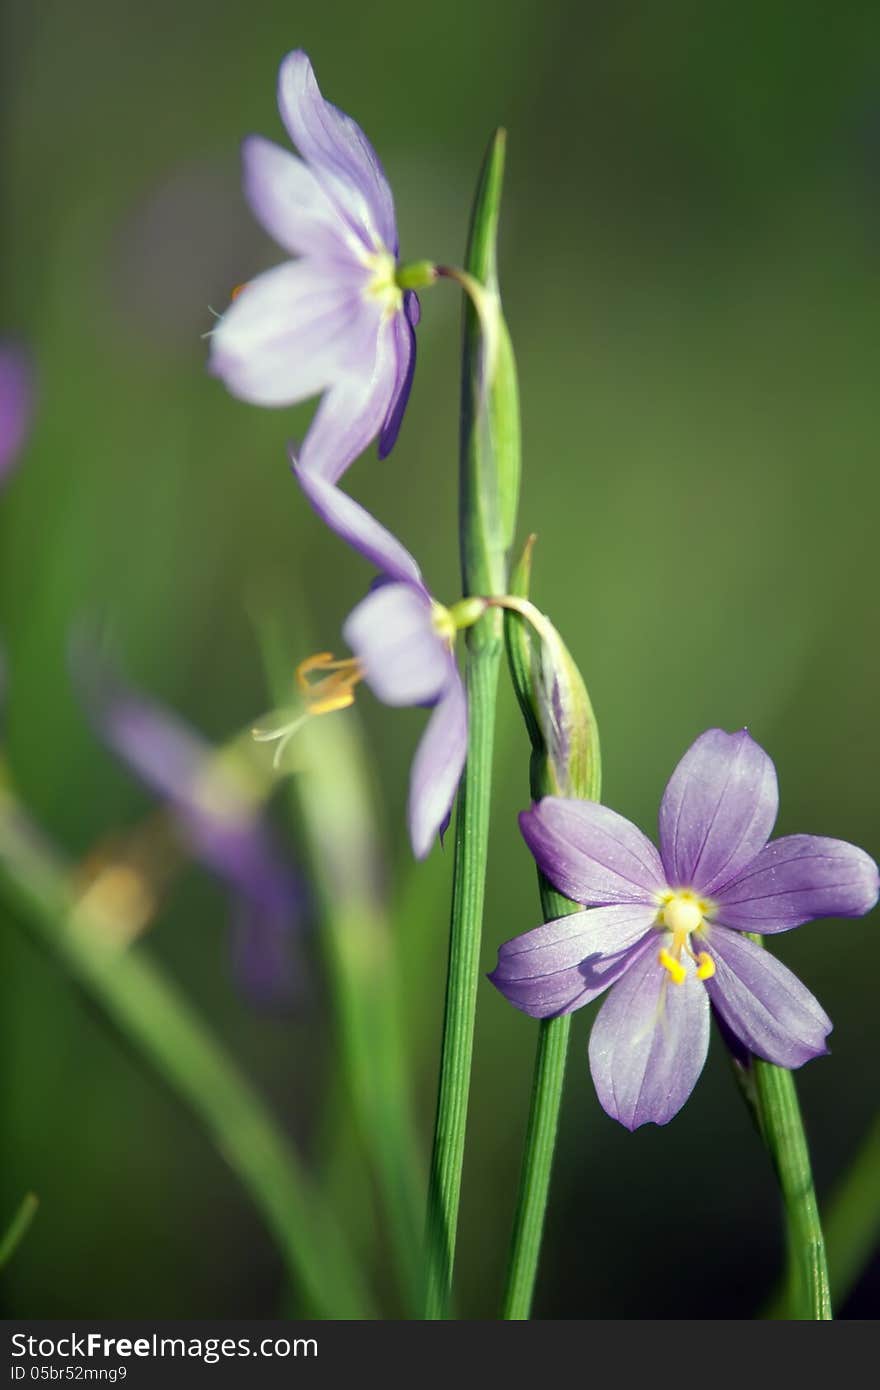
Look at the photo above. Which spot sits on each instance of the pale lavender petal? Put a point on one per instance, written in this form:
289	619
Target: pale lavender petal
351	413
437	766
392	634
405	348
797	879
718	810
354	524
338	152
591	854
562	965
292	206
763	1003
16	403
293	331
649	1043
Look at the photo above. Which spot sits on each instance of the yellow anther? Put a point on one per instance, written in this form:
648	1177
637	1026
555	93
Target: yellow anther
332	691
705	966
675	967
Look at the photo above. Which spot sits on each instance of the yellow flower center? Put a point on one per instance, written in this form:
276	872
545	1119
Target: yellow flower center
680	915
383	285
443	622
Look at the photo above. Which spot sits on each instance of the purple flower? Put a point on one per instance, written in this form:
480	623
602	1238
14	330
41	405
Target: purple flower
219	815
666	930
403	644
16	399
334	320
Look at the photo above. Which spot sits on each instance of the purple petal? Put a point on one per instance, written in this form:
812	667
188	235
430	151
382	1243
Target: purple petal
763	1003
405	346
591	854
562	965
718	810
351	413
437	766
339	154
16	402
262	950
797	879
291	205
218	816
293	331
392	634
649	1043
354	524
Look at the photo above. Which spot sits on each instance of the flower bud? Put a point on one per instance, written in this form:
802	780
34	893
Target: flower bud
552	696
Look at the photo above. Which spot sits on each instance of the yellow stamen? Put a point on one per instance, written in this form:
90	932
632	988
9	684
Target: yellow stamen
333	691
237	291
705	966
675	967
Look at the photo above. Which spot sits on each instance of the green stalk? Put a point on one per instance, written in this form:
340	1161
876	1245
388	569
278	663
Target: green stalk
489	481
336	809
155	1018
540	1146
18	1227
471	837
852	1218
808	1295
554	702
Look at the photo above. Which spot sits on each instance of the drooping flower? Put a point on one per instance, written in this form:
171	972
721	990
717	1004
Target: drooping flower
16	400
335	320
218	812
403	645
666	932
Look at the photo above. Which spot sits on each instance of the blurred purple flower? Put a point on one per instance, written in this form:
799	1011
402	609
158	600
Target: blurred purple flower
334	320
16	402
219	816
404	648
716	877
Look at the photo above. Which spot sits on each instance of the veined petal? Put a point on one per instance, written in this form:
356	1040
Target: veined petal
649	1043
405	350
292	332
292	206
351	413
796	879
16	401
437	766
718	810
392	634
339	153
562	965
763	1003
591	854
354	524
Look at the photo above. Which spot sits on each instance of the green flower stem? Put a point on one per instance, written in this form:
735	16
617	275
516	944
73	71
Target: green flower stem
537	1164
159	1023
852	1219
471	836
18	1227
852	1224
334	804
488	490
808	1294
554	702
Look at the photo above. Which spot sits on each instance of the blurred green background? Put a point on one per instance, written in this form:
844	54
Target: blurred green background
690	268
